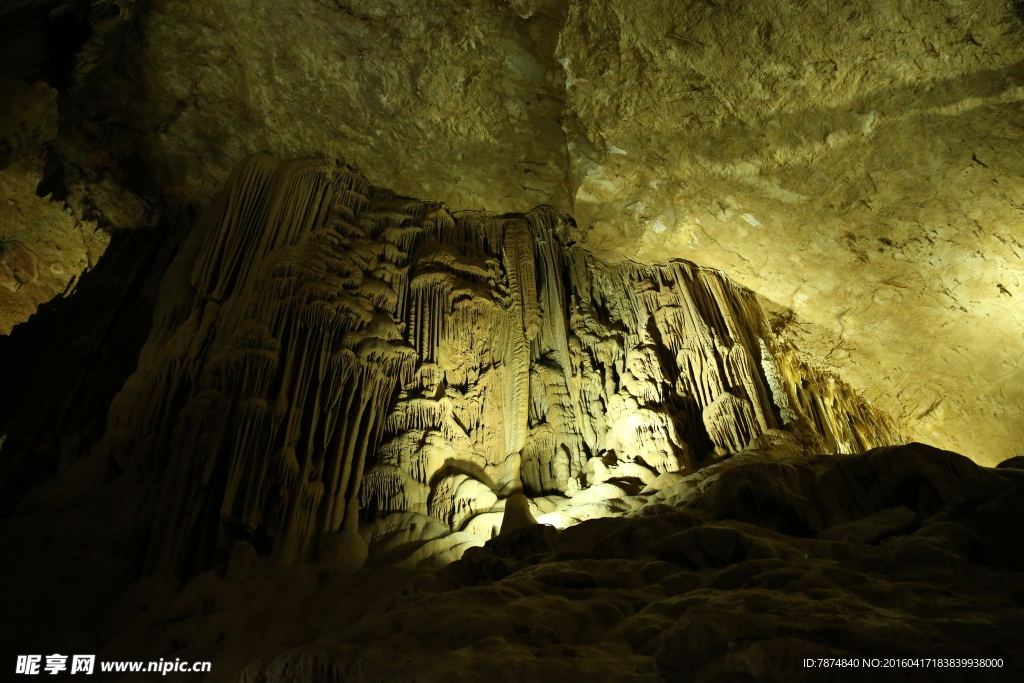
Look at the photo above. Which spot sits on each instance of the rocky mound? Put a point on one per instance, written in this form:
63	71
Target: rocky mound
738	573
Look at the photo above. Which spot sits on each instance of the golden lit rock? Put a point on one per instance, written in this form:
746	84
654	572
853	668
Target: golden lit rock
321	346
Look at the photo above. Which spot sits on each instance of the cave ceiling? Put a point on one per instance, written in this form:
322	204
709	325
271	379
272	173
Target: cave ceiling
856	164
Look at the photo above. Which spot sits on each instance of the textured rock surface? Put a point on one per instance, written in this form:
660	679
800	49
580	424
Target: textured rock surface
741	582
456	101
322	345
857	163
44	246
314	328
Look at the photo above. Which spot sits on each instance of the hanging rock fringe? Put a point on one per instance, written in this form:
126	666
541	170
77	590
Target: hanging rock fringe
321	345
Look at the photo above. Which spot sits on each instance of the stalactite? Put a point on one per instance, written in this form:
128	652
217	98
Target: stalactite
322	346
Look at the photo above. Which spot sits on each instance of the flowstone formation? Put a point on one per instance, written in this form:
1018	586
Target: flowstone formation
335	370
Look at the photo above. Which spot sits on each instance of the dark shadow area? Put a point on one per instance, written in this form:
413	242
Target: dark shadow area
75	354
39	40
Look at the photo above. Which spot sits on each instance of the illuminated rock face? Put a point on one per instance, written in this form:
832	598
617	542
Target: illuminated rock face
44	247
321	347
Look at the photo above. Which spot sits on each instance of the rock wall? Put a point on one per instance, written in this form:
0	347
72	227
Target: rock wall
44	246
856	162
454	100
322	346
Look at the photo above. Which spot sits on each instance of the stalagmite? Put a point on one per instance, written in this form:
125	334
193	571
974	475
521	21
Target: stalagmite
333	369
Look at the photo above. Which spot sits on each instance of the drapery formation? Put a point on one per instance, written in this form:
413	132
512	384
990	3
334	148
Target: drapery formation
321	347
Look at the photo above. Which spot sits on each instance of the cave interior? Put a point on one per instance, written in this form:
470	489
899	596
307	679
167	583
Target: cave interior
632	341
